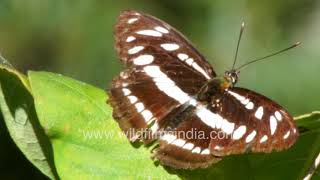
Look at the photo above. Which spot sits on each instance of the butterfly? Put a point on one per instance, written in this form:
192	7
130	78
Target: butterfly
169	90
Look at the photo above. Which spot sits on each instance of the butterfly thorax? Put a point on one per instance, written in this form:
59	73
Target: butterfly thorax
218	85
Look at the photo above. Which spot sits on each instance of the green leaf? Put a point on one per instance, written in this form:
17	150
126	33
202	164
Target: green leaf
310	122
6	66
20	118
87	142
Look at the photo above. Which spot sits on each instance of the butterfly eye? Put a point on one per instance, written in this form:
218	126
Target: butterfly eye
234	77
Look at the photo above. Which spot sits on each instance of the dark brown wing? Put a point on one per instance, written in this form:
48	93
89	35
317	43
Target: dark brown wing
137	33
236	121
163	72
188	145
258	124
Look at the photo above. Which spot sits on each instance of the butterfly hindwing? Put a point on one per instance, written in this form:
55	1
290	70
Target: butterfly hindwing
186	145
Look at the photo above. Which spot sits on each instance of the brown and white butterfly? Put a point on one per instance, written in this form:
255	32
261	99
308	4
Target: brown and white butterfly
169	89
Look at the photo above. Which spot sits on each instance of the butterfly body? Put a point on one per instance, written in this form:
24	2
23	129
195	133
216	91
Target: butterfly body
169	91
217	85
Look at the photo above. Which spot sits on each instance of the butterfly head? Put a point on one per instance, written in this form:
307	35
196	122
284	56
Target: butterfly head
232	76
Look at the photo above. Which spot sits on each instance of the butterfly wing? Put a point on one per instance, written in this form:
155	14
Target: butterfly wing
186	146
163	72
256	123
137	33
236	121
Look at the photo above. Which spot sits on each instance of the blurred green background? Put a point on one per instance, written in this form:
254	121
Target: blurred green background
75	38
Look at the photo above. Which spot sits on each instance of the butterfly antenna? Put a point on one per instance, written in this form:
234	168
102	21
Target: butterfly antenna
236	55
265	57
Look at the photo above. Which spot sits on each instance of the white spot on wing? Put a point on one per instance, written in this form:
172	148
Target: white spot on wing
263	139
124	75
126	91
278	115
219	122
286	135
214	120
139	107
227	126
135	49
161	29
198	68
251	136
132	20
179	142
132	99
196	150
239	132
246	101
205	151
143	59
182	56
259	112
167	85
188	146
294	130
237	96
189	61
170	46
164	82
130	39
273	124
150	33
147	115
193	102
154	72
250	105
168	138
209	118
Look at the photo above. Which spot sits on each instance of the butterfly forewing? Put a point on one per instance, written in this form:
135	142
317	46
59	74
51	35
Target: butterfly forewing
163	72
135	105
140	34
